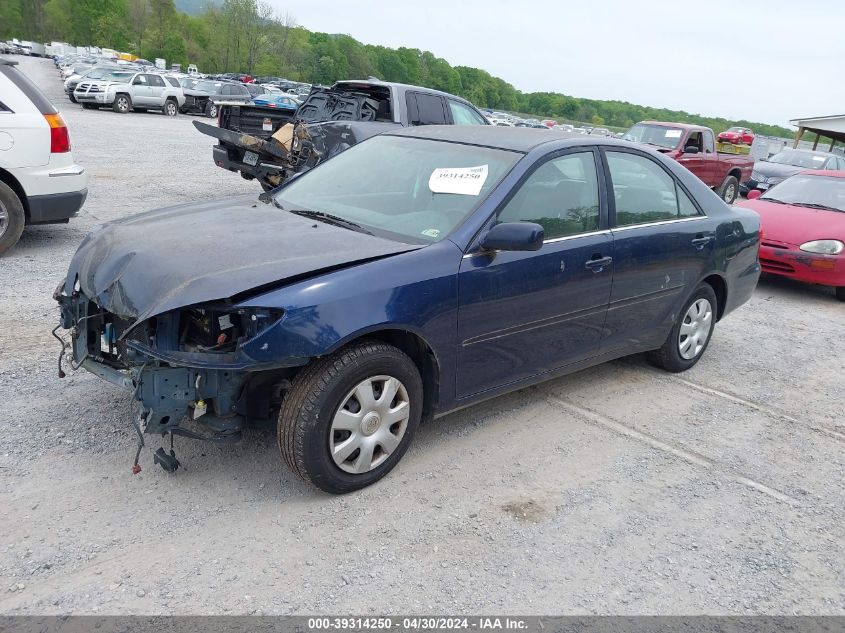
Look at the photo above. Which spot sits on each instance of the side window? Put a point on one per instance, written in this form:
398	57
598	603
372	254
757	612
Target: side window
464	115
227	90
156	81
562	196
644	192
425	109
140	80
694	140
709	145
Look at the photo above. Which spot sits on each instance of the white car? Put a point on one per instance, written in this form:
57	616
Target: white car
39	182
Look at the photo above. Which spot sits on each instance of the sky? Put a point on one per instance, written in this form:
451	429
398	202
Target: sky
767	61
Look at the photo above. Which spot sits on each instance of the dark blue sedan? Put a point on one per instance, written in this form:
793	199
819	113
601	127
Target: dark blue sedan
420	271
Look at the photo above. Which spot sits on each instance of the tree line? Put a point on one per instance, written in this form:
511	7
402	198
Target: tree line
249	36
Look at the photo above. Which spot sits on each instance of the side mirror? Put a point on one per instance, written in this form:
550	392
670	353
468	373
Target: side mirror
754	194
514	236
691	149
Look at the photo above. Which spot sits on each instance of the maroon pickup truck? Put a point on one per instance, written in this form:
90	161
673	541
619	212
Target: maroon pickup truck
694	147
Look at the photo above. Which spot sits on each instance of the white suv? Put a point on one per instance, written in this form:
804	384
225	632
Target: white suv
139	91
39	182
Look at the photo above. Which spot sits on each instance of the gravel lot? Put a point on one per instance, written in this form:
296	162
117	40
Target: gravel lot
619	489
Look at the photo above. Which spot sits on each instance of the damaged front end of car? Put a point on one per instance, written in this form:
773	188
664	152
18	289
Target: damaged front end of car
200	372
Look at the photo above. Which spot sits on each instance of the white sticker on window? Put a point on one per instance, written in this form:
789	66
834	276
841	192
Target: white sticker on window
465	181
673	134
435	233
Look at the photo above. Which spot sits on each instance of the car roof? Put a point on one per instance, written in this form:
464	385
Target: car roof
683	126
519	139
833	173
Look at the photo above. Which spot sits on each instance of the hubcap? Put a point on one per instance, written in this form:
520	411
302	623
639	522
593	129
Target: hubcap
729	193
4	219
171	109
369	424
123	105
695	328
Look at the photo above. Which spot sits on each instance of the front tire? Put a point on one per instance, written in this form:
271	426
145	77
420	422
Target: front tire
691	334
840	293
122	104
170	108
71	97
211	110
729	189
12	218
349	417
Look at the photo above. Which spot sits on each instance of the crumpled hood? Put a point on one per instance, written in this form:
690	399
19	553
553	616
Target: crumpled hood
157	261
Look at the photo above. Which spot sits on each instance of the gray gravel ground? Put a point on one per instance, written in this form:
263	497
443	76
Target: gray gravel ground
619	490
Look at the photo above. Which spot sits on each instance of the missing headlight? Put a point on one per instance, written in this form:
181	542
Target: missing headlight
206	330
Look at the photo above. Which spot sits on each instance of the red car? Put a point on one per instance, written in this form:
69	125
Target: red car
737	136
802	223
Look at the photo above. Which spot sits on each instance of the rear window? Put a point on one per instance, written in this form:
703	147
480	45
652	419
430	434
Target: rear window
173	81
29	89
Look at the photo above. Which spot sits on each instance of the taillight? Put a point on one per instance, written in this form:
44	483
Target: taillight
59	137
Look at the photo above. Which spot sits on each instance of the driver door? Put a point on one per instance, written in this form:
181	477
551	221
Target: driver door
524	313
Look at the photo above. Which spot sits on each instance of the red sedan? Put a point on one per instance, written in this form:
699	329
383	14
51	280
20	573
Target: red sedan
737	135
802	223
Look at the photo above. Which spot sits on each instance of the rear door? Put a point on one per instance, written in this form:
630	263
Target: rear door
661	247
157	88
426	109
524	313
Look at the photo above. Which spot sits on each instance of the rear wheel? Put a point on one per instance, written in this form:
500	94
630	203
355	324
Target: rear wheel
170	108
690	335
12	217
729	189
349	417
122	104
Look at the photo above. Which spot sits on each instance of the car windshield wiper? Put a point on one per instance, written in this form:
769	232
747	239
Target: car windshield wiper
813	205
328	218
775	200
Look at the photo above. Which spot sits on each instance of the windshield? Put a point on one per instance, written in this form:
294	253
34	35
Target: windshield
397	187
804	189
667	137
209	86
799	159
187	83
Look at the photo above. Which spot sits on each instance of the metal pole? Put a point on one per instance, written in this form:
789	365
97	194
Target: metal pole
798	136
816	142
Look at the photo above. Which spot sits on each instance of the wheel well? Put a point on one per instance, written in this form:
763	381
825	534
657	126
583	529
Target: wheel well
15	186
736	173
421	353
721	290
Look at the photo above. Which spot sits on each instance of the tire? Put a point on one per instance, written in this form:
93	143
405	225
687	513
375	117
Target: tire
122	104
840	293
12	218
71	97
675	355
171	108
211	110
729	189
327	388
89	106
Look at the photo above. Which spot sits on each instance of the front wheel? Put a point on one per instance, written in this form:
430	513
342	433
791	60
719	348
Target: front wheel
691	333
170	108
122	104
71	97
840	293
211	110
349	417
729	189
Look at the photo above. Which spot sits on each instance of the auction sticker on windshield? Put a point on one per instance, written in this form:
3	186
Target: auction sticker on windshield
465	181
673	134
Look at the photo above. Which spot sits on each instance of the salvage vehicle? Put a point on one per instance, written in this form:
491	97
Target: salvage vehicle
258	142
204	97
420	271
39	181
693	146
770	171
97	72
803	224
277	100
127	91
737	136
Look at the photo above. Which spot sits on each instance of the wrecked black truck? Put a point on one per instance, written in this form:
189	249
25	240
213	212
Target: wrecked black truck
270	146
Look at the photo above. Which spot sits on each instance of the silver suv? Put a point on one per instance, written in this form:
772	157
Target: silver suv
138	91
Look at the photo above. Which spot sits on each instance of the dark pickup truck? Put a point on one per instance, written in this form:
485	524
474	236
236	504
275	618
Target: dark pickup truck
271	145
694	147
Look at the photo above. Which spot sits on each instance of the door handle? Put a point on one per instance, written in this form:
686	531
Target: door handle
597	263
700	241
